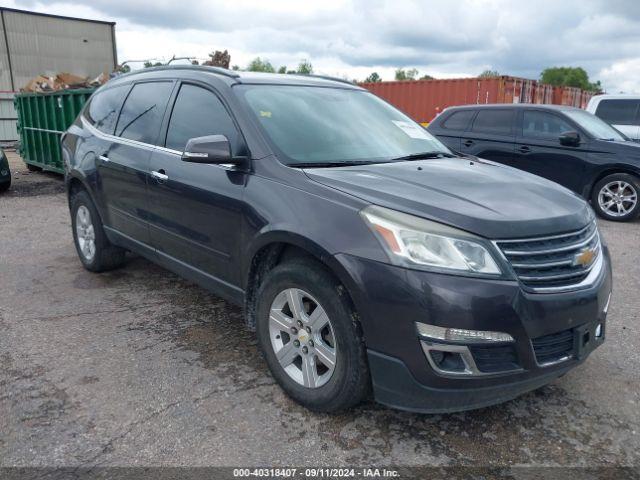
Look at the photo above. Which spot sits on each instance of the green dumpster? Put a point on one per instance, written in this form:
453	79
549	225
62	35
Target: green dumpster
42	119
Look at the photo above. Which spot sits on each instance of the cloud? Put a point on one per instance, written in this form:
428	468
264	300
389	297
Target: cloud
353	37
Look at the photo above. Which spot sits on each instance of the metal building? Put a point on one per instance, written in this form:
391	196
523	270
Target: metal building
36	43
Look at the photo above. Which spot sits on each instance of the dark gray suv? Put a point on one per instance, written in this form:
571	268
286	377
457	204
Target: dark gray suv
369	258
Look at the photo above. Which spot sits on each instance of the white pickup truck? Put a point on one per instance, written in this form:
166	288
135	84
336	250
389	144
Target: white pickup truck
620	111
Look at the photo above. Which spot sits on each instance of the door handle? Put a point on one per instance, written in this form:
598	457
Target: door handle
160	176
524	148
468	143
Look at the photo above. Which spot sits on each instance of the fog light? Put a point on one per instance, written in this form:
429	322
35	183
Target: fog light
599	331
461	335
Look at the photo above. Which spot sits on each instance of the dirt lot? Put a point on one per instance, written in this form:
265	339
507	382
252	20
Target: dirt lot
139	367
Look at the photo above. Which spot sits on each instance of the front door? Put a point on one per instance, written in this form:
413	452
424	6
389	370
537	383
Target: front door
538	150
196	209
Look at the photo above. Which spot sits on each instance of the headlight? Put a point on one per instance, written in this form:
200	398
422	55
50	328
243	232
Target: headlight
416	242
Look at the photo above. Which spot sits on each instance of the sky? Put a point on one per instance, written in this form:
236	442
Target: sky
352	38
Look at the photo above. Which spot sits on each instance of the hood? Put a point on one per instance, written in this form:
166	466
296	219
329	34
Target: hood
478	196
630	147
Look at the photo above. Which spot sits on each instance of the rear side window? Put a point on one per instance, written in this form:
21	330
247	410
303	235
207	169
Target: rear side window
103	109
543	125
458	120
619	112
198	112
495	122
142	112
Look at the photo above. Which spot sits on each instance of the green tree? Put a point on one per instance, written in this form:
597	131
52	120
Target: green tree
282	69
489	74
403	75
149	64
426	77
305	68
259	65
569	77
374	77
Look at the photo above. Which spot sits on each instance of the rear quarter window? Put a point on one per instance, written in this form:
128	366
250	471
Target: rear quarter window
102	111
619	111
458	120
494	122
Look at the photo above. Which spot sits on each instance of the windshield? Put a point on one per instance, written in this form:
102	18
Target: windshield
595	126
320	125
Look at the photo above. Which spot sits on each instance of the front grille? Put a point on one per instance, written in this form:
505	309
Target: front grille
553	348
554	261
495	358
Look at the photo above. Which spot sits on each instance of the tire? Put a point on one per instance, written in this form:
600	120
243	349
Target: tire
349	382
33	168
609	205
102	256
5	186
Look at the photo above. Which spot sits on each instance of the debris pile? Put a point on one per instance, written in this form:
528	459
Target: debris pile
62	81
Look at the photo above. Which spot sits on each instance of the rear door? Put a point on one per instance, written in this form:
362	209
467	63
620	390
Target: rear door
124	163
538	149
452	127
195	209
492	135
623	114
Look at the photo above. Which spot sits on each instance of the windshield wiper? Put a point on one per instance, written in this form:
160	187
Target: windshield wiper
424	155
329	164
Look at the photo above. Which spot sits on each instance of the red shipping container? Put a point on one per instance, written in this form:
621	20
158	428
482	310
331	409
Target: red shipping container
423	100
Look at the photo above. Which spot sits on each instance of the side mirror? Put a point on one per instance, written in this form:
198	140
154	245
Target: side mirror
570	139
214	149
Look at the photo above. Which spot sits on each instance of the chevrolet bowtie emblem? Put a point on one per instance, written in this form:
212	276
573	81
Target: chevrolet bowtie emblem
585	257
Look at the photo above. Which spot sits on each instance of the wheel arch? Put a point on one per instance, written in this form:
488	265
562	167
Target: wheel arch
275	247
628	170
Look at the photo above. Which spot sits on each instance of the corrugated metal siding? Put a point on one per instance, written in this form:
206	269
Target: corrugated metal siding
8	117
422	100
5	78
48	45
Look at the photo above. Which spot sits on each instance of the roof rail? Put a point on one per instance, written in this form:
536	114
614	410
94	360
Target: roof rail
206	68
327	77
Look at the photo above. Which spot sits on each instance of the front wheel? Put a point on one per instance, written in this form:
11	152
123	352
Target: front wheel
615	197
310	337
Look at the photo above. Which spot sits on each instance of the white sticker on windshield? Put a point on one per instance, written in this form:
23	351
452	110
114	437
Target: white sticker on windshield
411	129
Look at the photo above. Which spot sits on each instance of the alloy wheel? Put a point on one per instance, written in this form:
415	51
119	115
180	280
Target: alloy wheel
85	233
617	198
302	338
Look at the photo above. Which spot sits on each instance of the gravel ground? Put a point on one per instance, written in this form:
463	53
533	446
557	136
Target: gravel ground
138	367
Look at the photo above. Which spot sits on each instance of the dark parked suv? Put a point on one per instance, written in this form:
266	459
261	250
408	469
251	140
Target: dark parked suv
366	254
564	144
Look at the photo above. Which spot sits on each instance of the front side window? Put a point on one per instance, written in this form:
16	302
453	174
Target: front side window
334	125
198	112
494	122
595	126
143	110
619	112
536	124
104	106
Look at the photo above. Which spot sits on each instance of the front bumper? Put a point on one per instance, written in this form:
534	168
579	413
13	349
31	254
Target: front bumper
390	300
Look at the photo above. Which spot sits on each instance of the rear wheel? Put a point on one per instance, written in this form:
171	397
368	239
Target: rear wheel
96	253
615	197
310	338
